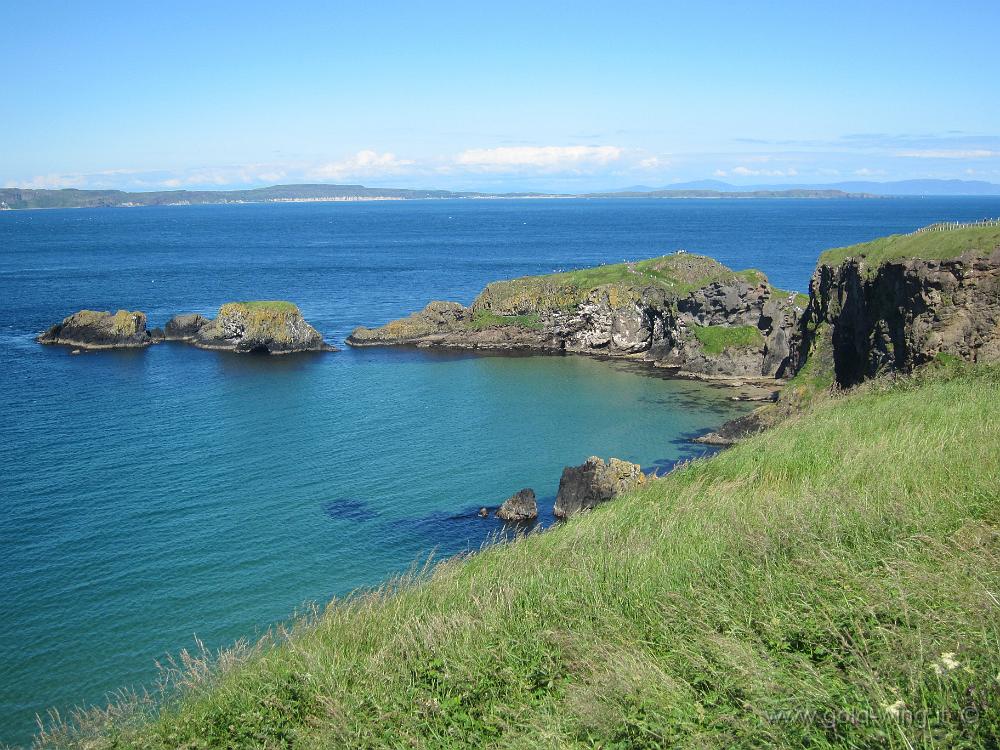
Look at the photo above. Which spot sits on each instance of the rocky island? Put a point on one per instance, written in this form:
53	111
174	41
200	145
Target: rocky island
684	312
91	329
262	327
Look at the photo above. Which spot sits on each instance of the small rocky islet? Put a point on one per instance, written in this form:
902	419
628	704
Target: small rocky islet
262	327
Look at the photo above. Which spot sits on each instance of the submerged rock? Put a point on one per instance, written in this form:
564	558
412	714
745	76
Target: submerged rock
90	329
271	327
519	507
184	327
594	482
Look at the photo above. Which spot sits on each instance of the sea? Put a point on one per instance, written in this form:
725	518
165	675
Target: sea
155	500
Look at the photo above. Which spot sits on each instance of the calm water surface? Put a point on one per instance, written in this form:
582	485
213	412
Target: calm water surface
148	497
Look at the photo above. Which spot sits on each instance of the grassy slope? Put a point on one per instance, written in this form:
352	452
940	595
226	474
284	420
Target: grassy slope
824	566
935	245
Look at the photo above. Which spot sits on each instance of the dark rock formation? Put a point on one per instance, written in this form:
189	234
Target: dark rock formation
736	429
662	310
260	327
184	327
594	482
88	329
519	507
901	314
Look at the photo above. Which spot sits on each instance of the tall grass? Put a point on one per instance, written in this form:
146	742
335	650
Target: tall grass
831	582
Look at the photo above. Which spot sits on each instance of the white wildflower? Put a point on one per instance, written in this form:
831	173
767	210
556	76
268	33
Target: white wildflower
945	663
948	660
895	709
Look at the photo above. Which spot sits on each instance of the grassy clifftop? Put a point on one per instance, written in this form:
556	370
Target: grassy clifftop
931	244
833	581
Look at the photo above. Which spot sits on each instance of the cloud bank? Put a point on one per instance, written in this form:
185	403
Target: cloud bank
541	158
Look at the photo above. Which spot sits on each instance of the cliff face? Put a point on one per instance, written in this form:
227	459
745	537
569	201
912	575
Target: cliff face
89	329
901	313
683	312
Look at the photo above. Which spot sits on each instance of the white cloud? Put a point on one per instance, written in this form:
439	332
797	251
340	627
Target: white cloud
949	153
653	162
363	164
51	182
747	172
540	158
720	173
867	172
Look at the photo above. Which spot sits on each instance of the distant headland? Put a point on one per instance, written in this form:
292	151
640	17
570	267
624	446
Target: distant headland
25	198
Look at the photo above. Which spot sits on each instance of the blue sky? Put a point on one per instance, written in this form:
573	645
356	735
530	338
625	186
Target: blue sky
508	95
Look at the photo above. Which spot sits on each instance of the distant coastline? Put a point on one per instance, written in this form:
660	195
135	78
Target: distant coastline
29	198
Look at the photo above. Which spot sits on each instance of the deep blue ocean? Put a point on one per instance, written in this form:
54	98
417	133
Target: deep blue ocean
148	497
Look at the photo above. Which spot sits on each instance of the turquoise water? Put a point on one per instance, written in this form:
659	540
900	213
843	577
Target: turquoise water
156	495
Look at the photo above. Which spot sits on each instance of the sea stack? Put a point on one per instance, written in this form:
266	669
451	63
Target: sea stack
519	507
90	329
184	327
594	482
265	327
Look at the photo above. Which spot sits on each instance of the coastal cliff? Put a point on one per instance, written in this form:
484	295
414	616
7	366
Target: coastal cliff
685	312
900	302
889	306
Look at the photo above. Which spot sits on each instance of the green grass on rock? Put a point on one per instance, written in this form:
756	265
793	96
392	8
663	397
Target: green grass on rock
716	339
932	244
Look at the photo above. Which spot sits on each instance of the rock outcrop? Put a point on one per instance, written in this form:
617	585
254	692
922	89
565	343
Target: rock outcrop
89	329
902	313
260	327
184	327
684	312
594	482
886	306
519	507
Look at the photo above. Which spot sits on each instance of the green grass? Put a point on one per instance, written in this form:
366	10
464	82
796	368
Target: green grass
486	319
716	339
930	245
276	305
794	591
680	273
676	274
